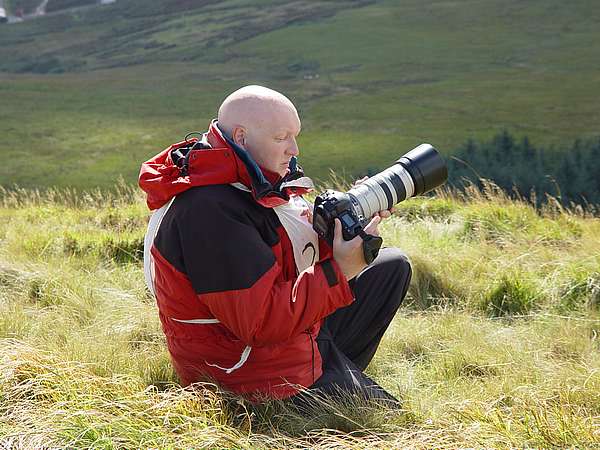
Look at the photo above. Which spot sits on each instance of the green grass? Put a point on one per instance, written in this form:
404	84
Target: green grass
88	95
496	346
497	343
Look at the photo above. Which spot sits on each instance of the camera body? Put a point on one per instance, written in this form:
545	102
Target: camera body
331	205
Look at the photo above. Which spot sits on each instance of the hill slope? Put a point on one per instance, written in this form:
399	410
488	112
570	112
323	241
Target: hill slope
371	79
137	32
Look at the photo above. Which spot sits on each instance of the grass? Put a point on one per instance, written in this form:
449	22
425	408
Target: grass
497	343
391	75
496	346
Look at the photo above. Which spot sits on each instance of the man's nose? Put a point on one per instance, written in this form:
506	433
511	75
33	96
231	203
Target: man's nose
293	149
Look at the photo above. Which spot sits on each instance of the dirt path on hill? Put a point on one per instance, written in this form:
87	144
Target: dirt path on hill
41	10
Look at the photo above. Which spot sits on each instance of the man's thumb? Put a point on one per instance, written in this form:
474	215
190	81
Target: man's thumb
337	230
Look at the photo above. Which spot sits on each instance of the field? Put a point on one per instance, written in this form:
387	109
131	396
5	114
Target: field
497	343
496	346
88	95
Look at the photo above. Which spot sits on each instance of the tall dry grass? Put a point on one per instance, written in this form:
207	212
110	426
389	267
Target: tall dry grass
497	345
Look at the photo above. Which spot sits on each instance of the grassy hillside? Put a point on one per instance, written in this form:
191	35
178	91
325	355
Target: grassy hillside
496	346
87	95
135	31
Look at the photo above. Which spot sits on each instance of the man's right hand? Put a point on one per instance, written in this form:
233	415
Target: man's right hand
349	254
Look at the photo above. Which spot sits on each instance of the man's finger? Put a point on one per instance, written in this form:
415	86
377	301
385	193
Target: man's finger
361	180
387	213
371	228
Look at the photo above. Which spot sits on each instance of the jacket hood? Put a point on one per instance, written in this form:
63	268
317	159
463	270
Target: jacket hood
215	159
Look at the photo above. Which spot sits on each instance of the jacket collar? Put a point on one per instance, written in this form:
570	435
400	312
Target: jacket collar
216	159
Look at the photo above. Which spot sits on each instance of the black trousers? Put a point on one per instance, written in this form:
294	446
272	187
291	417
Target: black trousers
350	336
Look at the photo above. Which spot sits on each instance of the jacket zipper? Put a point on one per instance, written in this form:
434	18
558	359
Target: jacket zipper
312	348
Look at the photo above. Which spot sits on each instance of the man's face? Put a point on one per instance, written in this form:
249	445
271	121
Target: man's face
271	141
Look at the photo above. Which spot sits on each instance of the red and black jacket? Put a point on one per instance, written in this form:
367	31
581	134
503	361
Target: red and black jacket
231	303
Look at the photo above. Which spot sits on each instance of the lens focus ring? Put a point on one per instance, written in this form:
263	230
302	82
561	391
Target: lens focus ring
382	191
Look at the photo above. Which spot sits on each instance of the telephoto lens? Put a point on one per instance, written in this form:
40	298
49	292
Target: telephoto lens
417	172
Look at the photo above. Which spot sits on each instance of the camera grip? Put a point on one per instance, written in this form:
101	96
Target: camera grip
371	246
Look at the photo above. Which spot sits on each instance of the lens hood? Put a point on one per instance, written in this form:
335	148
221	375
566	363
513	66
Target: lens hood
426	167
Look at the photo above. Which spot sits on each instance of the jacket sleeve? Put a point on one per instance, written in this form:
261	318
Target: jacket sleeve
235	274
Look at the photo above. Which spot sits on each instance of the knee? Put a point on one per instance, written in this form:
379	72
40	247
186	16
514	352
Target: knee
390	273
397	263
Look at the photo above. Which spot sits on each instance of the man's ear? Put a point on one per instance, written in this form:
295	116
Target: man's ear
239	136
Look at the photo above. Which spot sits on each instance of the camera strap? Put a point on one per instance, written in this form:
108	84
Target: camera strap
371	246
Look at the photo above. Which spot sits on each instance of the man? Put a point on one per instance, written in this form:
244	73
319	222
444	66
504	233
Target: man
248	295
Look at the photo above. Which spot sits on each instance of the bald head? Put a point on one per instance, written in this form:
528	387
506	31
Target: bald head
264	122
253	106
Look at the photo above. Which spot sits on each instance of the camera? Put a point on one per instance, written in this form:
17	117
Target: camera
418	171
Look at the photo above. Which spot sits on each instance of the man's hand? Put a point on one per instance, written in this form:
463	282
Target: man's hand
349	254
383	214
361	181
